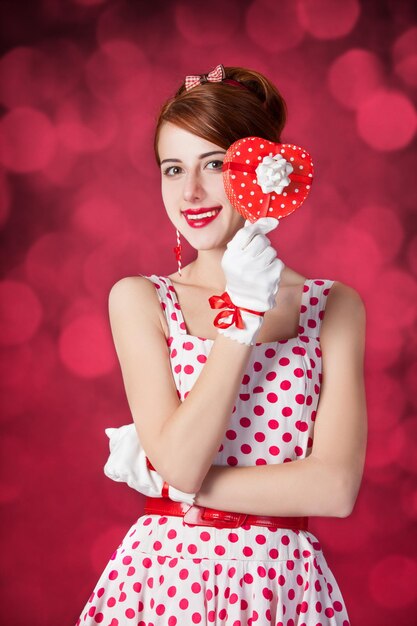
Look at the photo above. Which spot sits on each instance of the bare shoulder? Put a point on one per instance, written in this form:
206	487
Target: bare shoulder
132	287
137	295
345	298
345	313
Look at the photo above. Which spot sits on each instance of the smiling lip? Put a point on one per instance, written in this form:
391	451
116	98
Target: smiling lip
200	223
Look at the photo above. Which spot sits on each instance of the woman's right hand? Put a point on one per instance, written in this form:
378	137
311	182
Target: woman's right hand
253	274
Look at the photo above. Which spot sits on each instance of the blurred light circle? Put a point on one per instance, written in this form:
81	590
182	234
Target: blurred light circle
387	120
106	263
85	124
382	349
392	302
405	44
20	312
331	236
35	76
384	225
86	348
392	581
118	72
140	146
354	77
18	83
262	18
407	69
5	198
328	19
27	140
385	447
199	23
405	56
27	381
60	69
98	216
54	262
156	35
62	170
386	401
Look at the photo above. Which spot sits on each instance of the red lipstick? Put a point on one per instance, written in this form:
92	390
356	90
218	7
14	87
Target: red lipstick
205	219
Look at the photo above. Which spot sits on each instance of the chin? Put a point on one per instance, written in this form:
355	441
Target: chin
208	243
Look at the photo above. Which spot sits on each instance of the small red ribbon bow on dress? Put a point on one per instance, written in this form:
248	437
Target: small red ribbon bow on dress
215	76
224	301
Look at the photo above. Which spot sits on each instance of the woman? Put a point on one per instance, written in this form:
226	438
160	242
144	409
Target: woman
223	410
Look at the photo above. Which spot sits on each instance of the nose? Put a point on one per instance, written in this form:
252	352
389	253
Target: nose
193	187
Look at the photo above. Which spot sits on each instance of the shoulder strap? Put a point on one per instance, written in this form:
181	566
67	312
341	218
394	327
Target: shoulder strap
313	306
169	304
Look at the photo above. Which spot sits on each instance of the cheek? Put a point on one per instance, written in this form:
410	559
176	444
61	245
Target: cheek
167	195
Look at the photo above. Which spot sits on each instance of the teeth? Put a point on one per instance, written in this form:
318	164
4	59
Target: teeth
201	215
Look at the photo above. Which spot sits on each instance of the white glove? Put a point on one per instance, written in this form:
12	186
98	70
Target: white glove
127	464
253	274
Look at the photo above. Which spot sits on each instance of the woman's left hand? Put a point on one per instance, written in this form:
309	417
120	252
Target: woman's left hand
127	463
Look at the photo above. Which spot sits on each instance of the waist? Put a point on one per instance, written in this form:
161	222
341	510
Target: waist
204	516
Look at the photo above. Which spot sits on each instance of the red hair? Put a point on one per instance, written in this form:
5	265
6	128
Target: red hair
222	113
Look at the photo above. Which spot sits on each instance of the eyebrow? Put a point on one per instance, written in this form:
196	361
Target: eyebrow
201	156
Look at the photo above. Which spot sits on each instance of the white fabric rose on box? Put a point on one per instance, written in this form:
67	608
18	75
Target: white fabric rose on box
272	174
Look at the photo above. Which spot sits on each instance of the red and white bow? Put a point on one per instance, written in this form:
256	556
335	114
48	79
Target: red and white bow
215	76
224	302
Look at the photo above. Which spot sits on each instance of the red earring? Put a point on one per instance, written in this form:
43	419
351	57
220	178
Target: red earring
177	249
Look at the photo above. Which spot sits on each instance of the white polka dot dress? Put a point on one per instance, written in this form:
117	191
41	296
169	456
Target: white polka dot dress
165	573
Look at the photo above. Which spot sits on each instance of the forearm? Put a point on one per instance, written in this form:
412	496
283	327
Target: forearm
191	437
305	487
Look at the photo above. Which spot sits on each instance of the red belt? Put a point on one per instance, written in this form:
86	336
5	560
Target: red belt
203	516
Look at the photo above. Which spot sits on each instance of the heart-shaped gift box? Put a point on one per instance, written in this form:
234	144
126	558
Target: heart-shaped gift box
266	179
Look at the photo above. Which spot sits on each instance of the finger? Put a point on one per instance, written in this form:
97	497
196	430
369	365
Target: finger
262	225
268	255
279	265
245	234
257	245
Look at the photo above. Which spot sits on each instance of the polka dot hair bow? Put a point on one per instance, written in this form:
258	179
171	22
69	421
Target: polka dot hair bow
266	179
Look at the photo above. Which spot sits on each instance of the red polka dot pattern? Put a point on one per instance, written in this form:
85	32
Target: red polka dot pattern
279	391
241	183
165	572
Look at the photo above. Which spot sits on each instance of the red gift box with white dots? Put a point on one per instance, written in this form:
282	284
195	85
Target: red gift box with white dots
241	184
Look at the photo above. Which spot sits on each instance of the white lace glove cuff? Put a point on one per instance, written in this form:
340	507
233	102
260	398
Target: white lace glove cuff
127	463
245	335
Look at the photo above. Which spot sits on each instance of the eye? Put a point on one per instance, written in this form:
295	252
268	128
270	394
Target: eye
217	165
169	171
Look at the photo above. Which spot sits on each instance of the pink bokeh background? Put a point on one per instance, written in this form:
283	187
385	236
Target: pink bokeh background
81	83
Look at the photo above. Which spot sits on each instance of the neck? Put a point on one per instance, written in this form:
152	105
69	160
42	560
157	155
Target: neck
206	270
